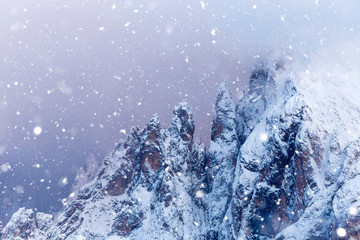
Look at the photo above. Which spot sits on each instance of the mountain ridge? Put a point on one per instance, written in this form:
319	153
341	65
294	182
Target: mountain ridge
284	159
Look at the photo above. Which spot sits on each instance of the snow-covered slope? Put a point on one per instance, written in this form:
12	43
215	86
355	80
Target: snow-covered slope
25	224
283	163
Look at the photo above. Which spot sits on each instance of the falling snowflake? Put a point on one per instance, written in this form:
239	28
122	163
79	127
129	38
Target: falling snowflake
341	232
37	130
263	137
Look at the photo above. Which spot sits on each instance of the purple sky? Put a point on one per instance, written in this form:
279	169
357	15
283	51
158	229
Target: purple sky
85	70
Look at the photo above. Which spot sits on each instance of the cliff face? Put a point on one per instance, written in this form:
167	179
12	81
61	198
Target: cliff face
283	163
25	224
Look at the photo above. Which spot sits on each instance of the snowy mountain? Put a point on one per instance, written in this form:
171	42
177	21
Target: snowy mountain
25	224
283	163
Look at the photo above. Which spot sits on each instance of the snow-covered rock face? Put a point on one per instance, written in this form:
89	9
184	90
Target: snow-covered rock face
292	172
253	104
284	163
24	224
221	163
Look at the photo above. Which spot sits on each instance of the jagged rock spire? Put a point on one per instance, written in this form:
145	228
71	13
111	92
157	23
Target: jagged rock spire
183	121
154	121
251	107
224	118
223	135
150	153
222	156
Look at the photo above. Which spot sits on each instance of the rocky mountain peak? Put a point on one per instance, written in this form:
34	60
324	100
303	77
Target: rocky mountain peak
154	122
257	98
151	144
183	122
222	155
25	224
224	118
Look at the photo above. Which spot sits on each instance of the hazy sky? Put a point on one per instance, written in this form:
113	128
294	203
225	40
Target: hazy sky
85	71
